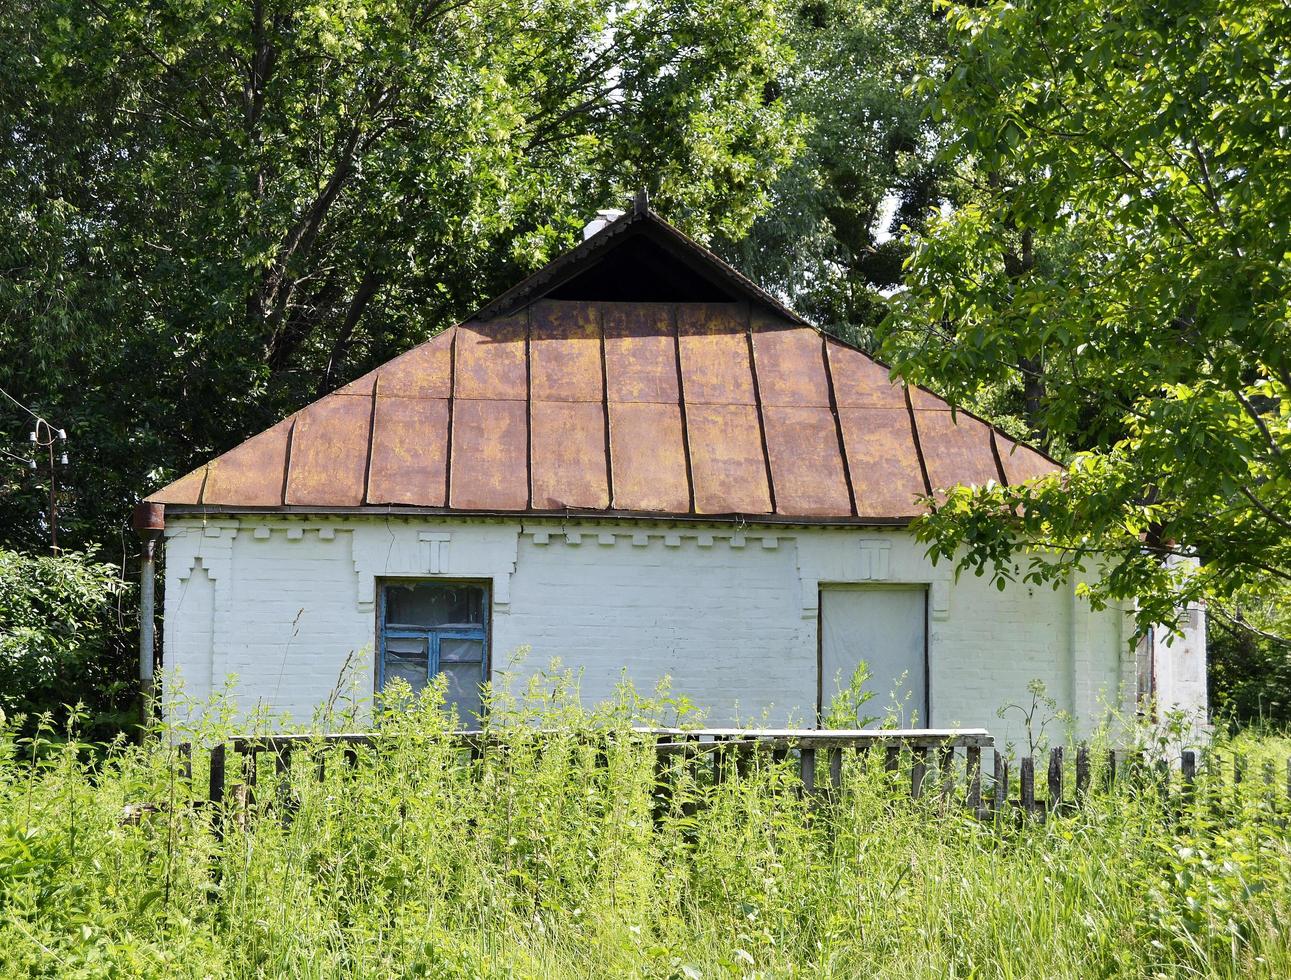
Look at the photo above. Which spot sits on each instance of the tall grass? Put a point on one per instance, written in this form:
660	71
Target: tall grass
564	853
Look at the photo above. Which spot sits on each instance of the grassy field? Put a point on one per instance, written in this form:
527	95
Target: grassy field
551	860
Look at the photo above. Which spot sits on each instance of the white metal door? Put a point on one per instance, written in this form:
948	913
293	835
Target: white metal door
887	628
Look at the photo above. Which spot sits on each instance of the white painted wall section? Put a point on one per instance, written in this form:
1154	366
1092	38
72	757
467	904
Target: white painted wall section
287	607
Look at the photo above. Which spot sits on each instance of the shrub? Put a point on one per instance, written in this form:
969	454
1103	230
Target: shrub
63	638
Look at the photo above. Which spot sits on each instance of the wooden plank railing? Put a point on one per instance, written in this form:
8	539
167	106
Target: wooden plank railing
719	748
925	761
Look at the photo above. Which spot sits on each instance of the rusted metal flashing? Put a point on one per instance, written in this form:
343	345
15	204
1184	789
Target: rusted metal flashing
372	427
681	398
757	403
999	465
605	411
448	442
838	425
918	444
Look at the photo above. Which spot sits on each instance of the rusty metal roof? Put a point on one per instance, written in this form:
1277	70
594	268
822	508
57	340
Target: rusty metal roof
572	406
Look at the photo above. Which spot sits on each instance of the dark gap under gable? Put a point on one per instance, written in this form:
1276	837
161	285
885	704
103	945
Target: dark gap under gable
641	271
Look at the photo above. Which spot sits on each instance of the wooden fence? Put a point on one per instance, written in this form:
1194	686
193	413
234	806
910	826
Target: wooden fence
947	763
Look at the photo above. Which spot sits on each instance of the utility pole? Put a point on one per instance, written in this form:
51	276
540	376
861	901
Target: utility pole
53	496
44	435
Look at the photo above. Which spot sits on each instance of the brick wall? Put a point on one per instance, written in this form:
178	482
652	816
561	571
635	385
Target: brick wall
287	607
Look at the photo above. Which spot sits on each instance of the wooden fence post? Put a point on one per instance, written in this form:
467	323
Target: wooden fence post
1000	794
946	766
216	793
1163	781
1055	779
1188	775
1082	771
282	769
836	770
1109	776
1215	784
719	761
250	765
807	769
1027	787
186	764
973	774
918	771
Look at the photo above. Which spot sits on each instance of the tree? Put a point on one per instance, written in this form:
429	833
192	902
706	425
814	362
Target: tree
211	213
1145	144
867	167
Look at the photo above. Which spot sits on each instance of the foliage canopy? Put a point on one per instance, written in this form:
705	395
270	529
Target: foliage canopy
212	214
1127	251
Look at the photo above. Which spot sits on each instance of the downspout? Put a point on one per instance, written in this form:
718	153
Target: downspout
149	522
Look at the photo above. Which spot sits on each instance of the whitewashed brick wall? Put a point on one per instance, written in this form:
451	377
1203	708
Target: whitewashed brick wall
286	607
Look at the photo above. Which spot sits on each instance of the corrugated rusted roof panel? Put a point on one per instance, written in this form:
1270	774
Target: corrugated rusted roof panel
920	399
714	344
409	450
726	459
640	353
790	364
426	371
565	352
648	452
1022	463
252	474
568	455
187	490
491	360
806	464
956	450
490	455
883	462
859	382
647	441
329	452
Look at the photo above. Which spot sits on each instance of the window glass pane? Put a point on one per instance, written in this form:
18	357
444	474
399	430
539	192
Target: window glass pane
434	604
454	650
464	691
406	658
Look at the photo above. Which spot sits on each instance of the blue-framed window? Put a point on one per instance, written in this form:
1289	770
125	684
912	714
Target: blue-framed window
430	627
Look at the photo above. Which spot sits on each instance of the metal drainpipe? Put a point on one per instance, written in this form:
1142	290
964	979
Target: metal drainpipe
149	521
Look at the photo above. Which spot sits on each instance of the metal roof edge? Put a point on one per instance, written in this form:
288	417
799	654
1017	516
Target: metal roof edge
736	521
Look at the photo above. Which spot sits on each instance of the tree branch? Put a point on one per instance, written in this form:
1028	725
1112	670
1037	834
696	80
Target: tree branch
1235	623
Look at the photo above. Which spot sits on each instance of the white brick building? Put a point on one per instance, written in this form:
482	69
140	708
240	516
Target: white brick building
638	464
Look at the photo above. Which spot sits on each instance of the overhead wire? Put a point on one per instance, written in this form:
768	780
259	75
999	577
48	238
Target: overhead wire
22	406
17	459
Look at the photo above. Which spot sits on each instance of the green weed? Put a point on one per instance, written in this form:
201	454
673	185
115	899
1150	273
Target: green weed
564	851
